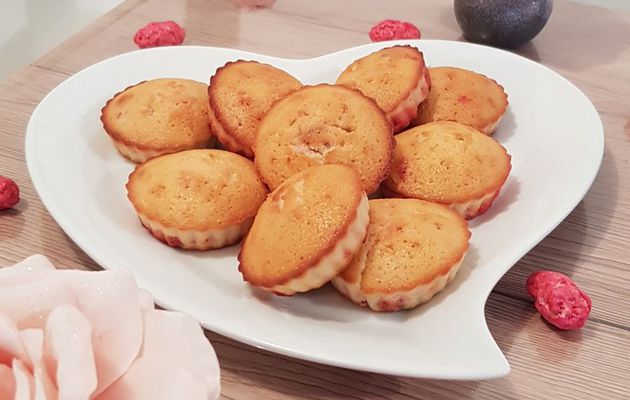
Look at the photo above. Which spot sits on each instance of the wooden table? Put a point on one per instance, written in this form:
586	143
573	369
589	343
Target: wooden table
588	45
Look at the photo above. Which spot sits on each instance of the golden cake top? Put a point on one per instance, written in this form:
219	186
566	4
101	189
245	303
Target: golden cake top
197	189
388	75
463	96
409	243
167	114
447	162
309	213
324	124
241	92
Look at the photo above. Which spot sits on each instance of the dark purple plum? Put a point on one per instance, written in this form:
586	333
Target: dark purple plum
502	23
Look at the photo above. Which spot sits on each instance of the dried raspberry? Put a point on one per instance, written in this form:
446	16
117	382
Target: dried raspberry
155	34
558	299
9	193
391	29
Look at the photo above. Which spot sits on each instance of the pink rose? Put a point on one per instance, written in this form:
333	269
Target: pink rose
68	334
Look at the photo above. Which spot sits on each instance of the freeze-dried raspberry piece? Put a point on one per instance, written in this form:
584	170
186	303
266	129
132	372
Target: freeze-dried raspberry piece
9	193
558	299
391	29
154	34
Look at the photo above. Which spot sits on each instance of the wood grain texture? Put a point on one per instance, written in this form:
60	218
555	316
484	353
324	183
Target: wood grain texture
28	228
588	45
544	366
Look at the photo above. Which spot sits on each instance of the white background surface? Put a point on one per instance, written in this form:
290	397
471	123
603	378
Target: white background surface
30	28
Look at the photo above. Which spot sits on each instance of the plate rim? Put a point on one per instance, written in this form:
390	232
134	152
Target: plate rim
55	212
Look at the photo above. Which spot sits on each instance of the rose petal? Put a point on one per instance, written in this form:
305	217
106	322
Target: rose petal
33	340
24	271
146	300
175	354
69	353
24	385
10	344
109	300
20	282
28	293
7	382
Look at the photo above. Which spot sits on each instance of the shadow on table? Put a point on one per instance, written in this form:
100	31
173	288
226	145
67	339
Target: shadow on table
566	247
84	262
573	45
263	372
569	43
12	220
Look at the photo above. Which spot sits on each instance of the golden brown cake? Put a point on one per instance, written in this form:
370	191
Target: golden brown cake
449	163
157	117
324	124
463	96
412	250
196	199
395	77
307	230
240	93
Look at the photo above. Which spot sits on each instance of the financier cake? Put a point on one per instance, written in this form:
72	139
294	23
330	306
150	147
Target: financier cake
412	250
324	124
463	96
196	199
449	163
157	117
240	93
306	231
395	77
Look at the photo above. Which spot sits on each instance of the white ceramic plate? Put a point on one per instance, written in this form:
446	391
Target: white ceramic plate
551	129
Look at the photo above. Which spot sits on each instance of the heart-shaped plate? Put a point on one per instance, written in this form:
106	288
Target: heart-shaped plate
551	129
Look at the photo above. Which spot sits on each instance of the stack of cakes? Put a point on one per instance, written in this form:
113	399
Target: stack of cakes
298	164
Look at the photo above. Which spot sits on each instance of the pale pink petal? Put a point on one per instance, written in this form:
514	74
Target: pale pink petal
30	290
10	343
7	382
24	271
175	355
109	300
146	300
24	383
33	340
29	303
69	356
